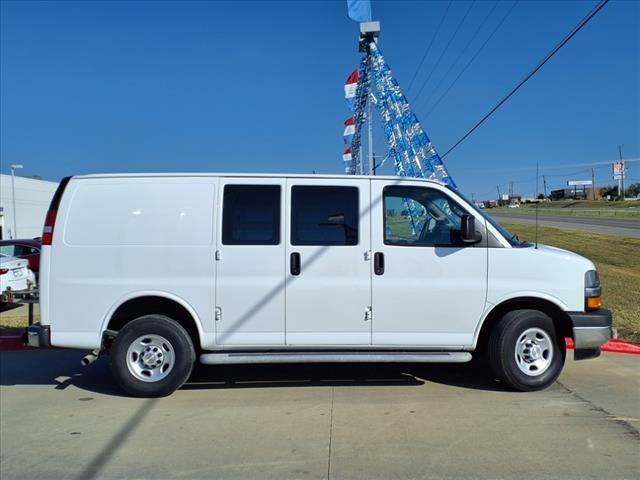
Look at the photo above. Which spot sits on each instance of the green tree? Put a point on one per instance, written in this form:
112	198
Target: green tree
633	190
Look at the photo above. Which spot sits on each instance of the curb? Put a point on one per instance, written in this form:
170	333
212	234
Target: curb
12	343
616	346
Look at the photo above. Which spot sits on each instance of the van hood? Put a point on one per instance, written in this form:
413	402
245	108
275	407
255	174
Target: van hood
566	255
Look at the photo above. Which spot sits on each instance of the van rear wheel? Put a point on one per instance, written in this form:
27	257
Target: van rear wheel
524	351
152	356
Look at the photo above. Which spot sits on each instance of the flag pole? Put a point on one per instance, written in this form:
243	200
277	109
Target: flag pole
369	32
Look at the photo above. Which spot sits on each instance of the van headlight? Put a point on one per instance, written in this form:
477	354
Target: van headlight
592	290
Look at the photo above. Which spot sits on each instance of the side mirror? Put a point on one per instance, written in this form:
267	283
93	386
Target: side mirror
468	230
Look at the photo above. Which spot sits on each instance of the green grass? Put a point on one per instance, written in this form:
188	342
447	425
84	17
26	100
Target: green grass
618	262
582	208
598	204
568	212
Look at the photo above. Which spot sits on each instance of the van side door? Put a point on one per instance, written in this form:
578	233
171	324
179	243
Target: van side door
250	281
431	289
328	265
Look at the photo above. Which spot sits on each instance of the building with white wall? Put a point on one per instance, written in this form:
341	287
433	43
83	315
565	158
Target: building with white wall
32	201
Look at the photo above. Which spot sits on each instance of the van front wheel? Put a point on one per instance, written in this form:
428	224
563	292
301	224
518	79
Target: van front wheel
524	351
152	356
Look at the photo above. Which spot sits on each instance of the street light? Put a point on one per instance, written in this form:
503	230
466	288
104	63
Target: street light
13	195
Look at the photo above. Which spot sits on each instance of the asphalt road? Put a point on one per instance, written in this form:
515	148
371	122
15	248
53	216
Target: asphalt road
628	227
59	420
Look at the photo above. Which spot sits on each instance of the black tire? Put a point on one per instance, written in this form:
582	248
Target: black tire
179	346
503	357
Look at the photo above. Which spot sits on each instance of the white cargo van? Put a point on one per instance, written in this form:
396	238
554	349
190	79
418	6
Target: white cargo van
162	270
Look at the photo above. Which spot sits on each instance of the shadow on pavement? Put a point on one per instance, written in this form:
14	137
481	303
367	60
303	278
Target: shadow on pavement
61	368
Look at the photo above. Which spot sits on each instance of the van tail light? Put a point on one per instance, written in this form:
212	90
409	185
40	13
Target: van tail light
49	223
50	219
4	271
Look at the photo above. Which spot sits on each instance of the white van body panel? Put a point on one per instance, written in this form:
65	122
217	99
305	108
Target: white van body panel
543	272
118	237
417	299
250	289
327	303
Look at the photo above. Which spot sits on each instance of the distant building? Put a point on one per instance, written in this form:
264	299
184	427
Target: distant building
574	193
32	201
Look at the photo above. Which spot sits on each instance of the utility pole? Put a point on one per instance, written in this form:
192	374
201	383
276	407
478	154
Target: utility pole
593	183
510	189
499	198
621	181
544	183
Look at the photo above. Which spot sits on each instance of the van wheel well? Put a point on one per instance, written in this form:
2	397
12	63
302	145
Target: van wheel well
561	320
137	307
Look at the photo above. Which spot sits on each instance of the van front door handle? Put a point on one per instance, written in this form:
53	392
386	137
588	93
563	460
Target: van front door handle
378	263
294	264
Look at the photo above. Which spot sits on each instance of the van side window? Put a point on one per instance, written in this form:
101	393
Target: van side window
419	216
251	215
324	215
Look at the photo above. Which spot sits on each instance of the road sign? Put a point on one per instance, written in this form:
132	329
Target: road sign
574	183
618	170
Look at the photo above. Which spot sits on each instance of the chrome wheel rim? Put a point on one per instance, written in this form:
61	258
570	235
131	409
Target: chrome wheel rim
534	352
150	358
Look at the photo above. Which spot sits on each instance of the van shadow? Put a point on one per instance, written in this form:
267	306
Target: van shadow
61	369
468	376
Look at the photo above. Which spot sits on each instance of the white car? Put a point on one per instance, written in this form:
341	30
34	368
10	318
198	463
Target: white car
15	274
161	270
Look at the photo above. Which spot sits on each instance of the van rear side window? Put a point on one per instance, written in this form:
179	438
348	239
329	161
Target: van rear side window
251	215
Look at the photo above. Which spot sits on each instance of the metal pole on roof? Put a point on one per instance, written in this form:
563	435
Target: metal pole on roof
370	134
13	198
369	32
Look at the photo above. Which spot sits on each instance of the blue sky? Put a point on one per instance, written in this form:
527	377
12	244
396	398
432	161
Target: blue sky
258	86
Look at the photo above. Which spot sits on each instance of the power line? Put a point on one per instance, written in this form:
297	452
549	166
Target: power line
566	39
435	66
430	45
471	60
464	50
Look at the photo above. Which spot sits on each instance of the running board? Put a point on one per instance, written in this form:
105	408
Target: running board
231	358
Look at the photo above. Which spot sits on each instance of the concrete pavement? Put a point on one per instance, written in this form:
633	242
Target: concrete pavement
627	227
59	420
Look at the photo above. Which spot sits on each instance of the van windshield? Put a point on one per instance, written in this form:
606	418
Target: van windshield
510	237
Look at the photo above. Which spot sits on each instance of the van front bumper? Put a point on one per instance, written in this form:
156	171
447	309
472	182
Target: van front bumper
38	335
590	331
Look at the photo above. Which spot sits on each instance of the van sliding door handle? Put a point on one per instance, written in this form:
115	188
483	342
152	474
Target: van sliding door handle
378	263
294	264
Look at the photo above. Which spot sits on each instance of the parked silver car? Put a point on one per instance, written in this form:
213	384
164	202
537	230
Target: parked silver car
15	274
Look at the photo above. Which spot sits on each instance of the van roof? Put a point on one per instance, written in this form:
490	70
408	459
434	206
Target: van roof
254	175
